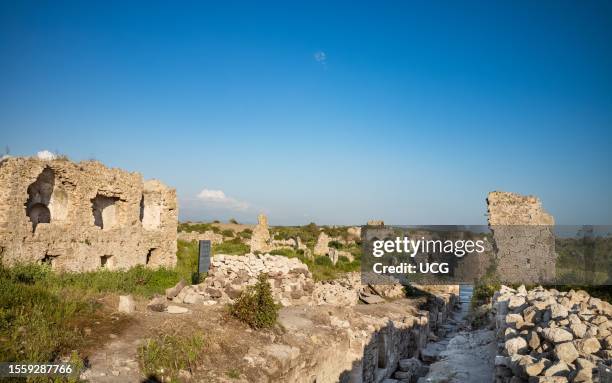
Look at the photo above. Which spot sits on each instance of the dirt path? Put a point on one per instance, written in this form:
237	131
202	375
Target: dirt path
467	358
461	356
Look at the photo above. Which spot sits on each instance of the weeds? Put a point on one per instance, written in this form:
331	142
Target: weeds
164	356
255	306
231	247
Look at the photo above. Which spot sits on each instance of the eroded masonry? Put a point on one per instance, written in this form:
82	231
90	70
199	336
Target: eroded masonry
524	238
84	216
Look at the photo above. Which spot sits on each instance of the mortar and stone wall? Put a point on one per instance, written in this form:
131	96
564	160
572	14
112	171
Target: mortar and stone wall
84	216
524	238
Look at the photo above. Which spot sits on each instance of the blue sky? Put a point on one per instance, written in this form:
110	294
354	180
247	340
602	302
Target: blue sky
329	112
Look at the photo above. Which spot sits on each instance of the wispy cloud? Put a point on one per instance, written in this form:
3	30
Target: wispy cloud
217	198
320	57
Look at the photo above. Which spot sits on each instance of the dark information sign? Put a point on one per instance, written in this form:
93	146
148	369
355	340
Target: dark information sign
204	259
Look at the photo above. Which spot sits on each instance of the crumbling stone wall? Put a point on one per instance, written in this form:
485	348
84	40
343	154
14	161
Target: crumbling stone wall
83	216
524	239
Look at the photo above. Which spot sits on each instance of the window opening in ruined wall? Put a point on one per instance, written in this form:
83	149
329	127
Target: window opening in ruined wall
104	211
107	262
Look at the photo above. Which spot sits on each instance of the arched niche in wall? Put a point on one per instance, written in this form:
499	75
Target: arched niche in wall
104	211
150	211
47	202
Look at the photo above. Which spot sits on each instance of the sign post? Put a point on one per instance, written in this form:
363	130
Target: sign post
204	258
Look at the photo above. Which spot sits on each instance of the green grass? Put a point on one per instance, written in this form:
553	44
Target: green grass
42	313
38	319
164	356
198	227
231	247
322	268
233	374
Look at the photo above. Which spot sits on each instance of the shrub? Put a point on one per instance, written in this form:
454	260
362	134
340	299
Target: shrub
228	233
335	245
255	306
233	220
484	290
323	261
197	227
343	259
245	234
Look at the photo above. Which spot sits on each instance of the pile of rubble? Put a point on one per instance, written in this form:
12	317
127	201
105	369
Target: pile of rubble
552	336
291	282
289	278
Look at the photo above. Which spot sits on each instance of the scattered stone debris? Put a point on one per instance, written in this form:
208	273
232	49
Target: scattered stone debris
547	335
126	304
158	303
174	291
172	309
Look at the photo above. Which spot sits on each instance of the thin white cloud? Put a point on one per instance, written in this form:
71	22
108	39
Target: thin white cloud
218	198
320	57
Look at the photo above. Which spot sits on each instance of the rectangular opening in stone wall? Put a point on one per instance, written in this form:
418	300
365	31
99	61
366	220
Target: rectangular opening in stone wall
150	211
153	257
107	262
104	211
49	260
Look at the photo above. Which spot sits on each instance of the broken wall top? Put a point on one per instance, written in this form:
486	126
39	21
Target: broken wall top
507	208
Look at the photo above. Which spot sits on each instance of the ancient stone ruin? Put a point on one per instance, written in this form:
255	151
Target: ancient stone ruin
84	216
260	239
524	238
322	245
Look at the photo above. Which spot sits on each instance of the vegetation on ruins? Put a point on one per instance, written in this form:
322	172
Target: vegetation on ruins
198	227
232	247
43	313
255	306
162	358
234	221
322	267
228	233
